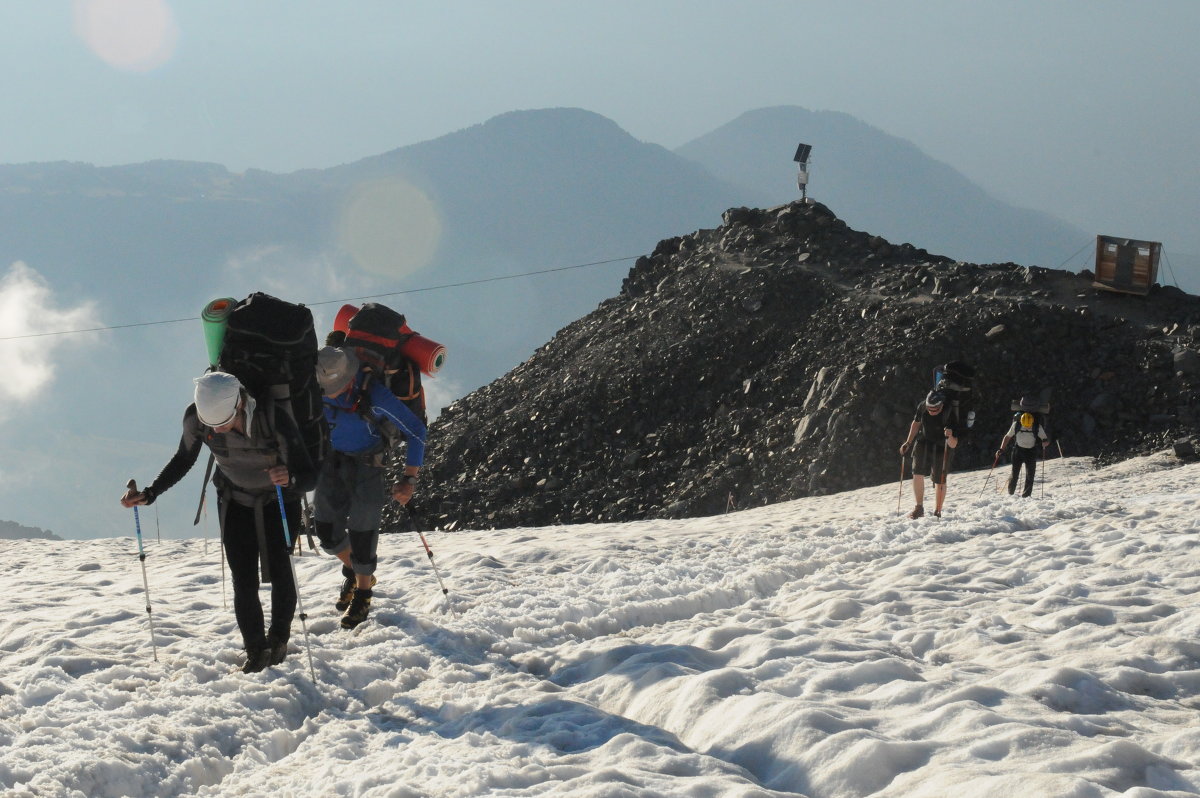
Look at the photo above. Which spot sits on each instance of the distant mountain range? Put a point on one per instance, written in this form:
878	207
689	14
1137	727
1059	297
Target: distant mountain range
525	191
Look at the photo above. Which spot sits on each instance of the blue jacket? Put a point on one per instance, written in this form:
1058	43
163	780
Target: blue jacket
355	419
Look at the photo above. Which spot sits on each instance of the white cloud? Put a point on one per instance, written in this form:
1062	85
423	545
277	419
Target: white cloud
27	308
296	277
290	274
439	392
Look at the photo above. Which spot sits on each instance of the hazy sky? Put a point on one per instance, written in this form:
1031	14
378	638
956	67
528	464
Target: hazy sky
1084	108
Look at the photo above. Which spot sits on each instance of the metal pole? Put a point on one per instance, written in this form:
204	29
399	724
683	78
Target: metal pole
137	523
287	539
1042	481
945	479
204	510
995	460
220	545
1061	455
429	553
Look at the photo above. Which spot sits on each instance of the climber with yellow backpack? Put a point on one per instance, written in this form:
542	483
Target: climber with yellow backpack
1026	430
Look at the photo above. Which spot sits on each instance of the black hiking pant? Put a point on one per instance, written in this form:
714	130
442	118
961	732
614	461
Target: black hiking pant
240	537
1028	457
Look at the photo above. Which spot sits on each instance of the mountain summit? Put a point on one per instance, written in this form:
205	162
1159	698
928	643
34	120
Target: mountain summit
881	183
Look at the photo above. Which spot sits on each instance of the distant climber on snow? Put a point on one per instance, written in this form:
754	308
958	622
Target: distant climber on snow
932	441
1026	429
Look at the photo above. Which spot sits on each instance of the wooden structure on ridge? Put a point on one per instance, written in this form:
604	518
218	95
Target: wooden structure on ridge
1126	265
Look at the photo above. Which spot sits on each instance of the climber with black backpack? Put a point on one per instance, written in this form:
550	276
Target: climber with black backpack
258	410
255	450
932	439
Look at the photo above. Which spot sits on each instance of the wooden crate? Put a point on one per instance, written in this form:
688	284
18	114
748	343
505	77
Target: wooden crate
1126	264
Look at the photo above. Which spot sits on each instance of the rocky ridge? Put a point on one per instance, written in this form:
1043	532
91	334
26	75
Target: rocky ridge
783	354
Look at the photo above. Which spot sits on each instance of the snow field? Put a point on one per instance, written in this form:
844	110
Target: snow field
823	647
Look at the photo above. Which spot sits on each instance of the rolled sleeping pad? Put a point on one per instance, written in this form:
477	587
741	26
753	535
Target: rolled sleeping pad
1030	407
215	318
341	322
429	355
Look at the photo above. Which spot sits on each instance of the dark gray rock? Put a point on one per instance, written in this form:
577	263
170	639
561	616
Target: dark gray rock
1187	362
726	372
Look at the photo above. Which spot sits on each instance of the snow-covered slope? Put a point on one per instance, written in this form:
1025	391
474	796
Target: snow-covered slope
824	647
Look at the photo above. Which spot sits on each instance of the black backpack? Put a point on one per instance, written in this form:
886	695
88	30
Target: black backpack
955	380
271	346
378	335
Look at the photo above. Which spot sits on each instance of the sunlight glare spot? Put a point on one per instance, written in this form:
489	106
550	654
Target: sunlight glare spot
133	35
390	228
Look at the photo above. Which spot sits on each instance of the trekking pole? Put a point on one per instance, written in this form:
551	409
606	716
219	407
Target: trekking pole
1042	481
429	554
137	524
1060	456
945	479
995	460
157	526
307	516
220	545
900	494
287	538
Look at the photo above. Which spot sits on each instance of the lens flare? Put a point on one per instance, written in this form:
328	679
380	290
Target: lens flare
132	35
390	228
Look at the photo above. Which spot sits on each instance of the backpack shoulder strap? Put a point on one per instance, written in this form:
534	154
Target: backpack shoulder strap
362	395
212	458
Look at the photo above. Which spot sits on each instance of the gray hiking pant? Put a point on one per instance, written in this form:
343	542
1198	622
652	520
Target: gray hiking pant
348	507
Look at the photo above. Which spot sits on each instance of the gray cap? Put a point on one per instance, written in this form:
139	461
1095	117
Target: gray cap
335	369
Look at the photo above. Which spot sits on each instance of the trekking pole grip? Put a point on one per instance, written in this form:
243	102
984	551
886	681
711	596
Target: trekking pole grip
137	521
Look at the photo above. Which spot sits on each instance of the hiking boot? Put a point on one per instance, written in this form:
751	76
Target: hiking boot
937	513
917	512
276	648
359	607
345	592
256	659
349	584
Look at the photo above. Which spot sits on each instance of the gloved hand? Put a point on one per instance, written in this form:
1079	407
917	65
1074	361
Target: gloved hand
402	492
141	498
